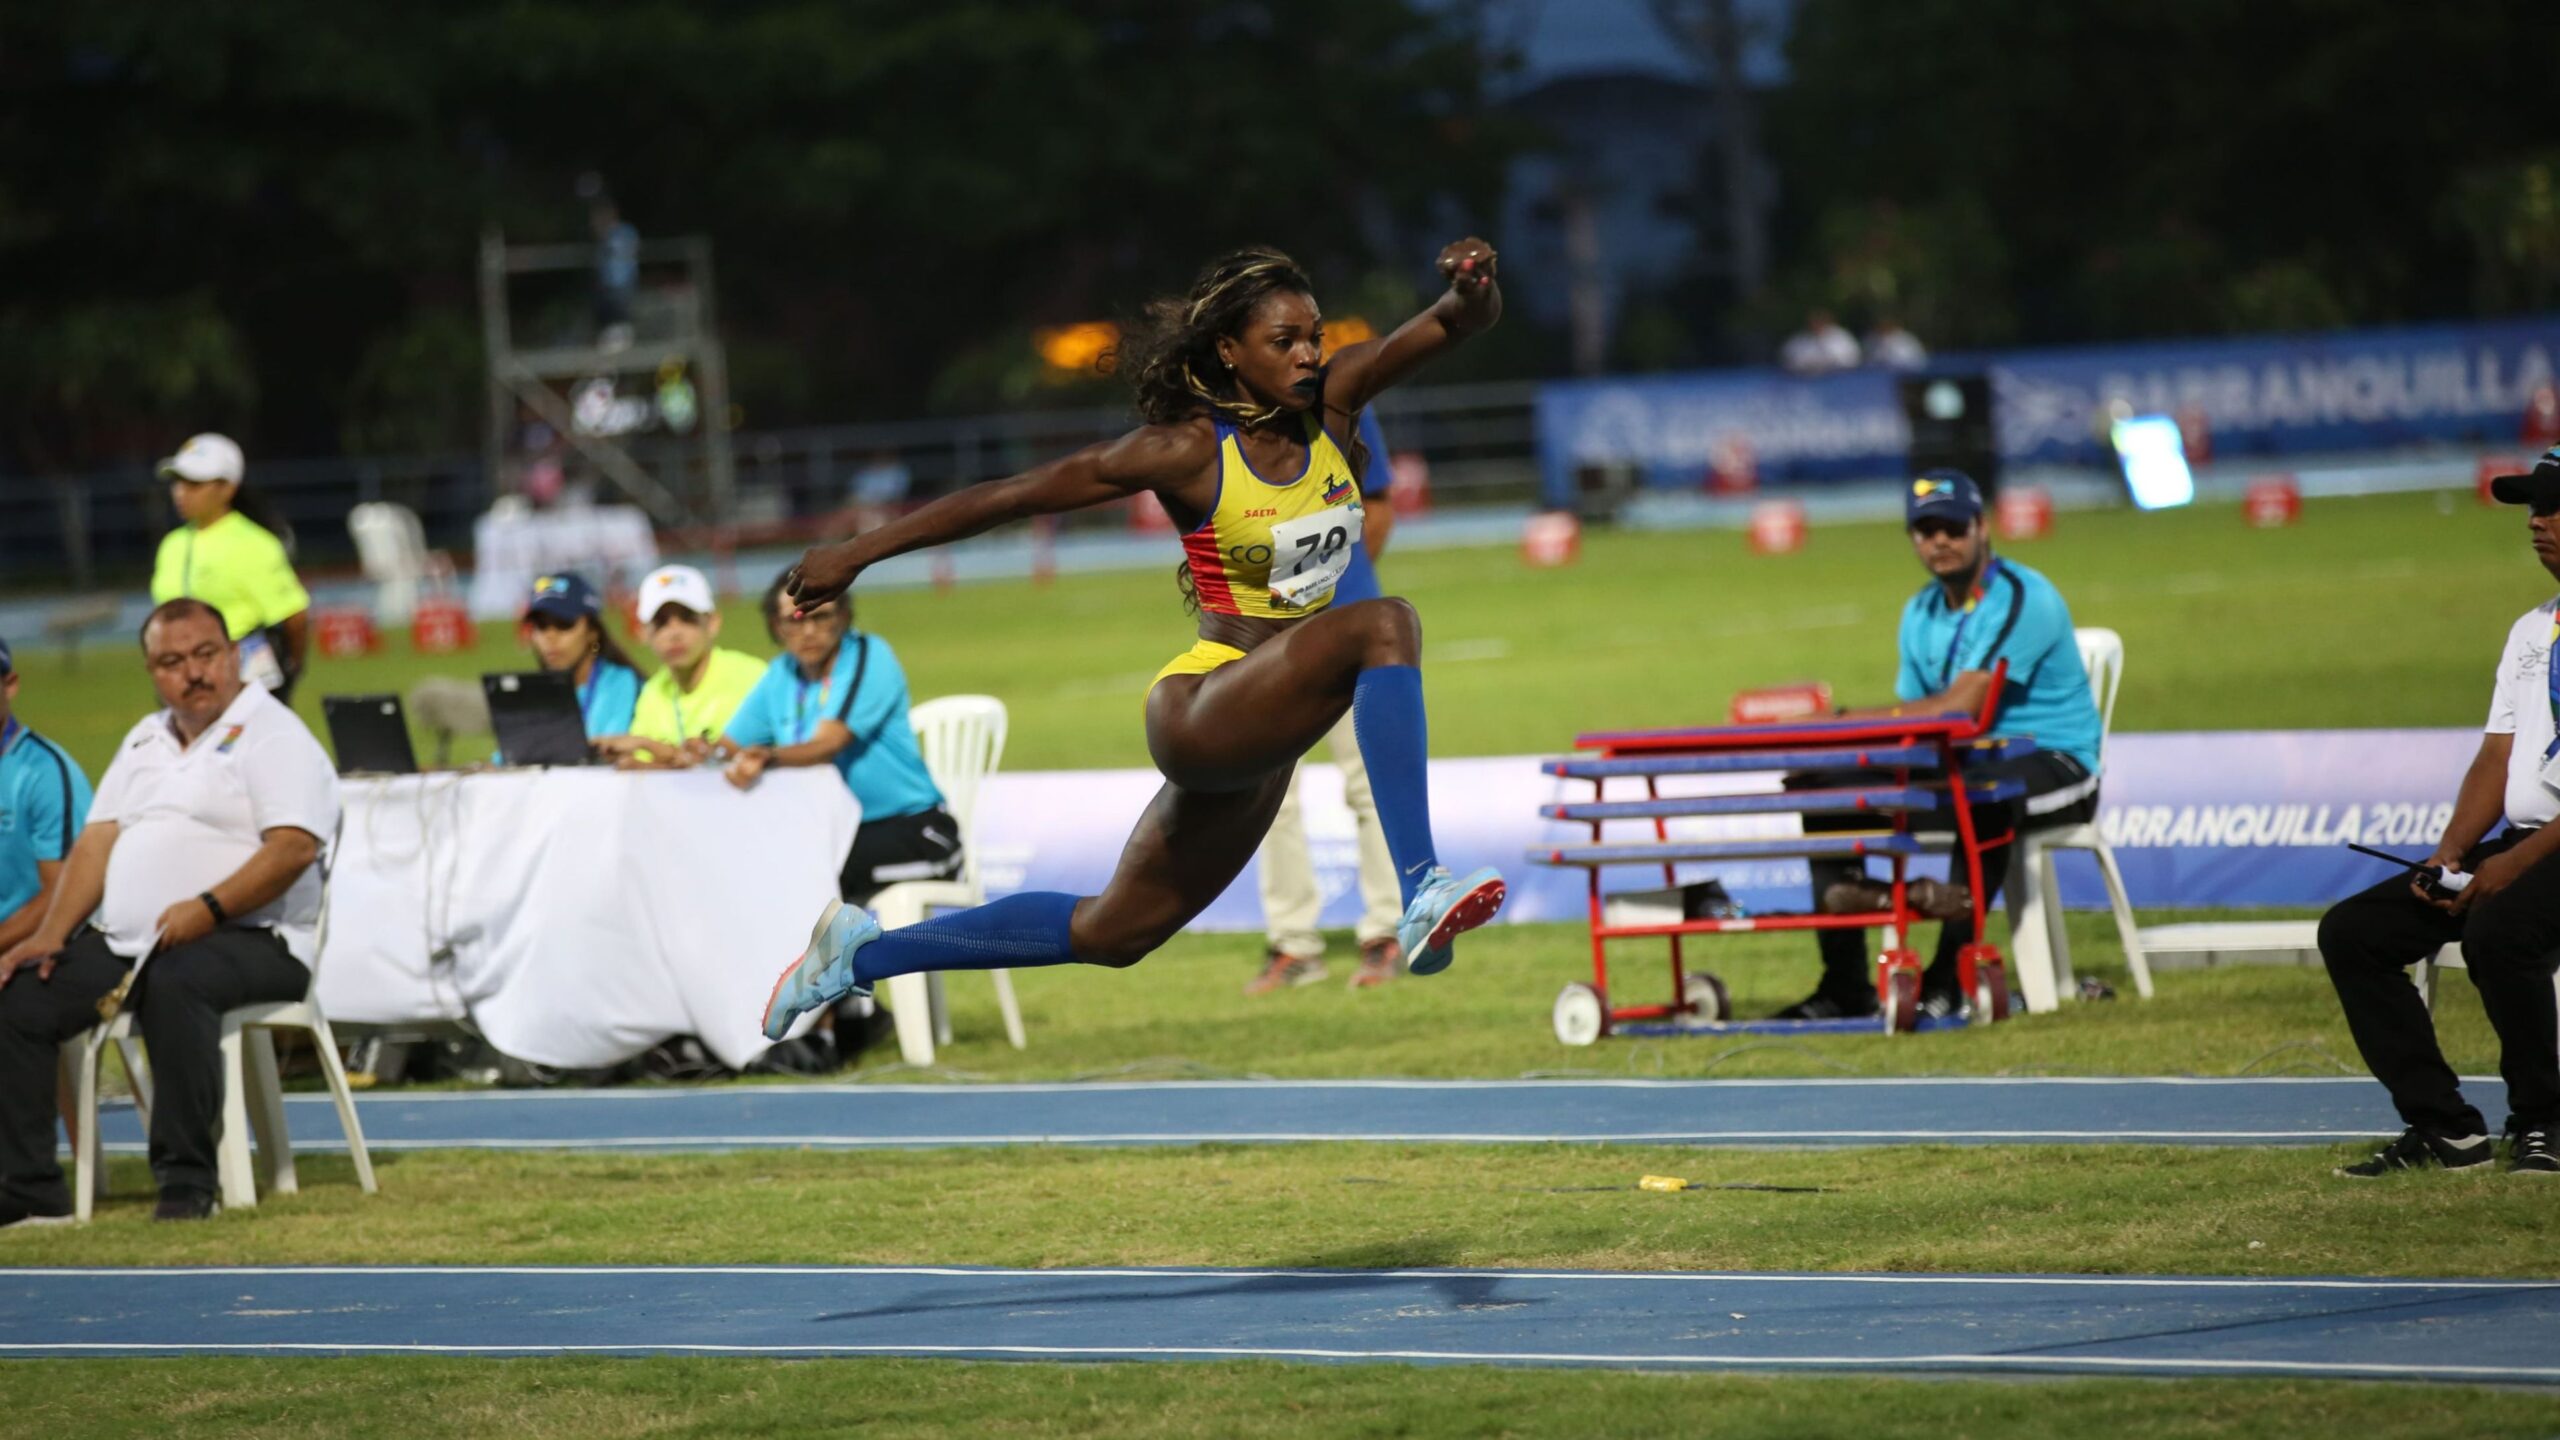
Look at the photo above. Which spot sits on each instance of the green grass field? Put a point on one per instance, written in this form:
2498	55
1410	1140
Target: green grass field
2379	612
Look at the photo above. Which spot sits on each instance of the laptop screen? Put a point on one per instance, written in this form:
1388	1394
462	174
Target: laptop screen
535	716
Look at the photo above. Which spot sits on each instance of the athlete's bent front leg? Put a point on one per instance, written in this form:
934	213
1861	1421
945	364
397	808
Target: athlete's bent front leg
1228	729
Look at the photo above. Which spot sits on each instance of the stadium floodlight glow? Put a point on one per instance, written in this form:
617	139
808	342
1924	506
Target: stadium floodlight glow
2154	456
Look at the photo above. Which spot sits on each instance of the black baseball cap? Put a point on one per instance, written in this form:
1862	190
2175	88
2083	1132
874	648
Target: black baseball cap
2538	487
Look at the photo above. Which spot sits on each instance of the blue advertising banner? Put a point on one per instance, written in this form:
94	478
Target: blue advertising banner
2225	818
2276	395
2258	395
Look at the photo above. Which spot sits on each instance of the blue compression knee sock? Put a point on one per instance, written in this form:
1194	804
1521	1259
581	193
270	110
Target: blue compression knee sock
1016	932
1386	715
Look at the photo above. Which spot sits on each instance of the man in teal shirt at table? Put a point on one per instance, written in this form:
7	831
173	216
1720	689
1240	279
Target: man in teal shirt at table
1977	611
44	800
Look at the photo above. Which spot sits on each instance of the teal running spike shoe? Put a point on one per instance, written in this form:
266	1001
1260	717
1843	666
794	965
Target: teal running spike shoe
1442	910
824	972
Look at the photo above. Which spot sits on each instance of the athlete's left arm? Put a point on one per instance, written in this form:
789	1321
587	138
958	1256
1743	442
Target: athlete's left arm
1150	457
1473	302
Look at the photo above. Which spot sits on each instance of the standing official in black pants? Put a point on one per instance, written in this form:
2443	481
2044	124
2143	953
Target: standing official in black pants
2507	917
196	865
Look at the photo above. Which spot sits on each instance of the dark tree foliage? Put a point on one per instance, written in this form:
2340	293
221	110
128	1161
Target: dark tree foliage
2175	167
264	214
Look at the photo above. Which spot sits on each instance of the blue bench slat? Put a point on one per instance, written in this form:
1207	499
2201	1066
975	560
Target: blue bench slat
1776	847
1743	762
1746	761
1889	800
1886	800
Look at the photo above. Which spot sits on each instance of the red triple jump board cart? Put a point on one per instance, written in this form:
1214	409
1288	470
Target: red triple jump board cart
1909	766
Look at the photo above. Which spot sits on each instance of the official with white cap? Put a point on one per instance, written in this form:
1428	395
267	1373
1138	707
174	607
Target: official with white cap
222	556
689	701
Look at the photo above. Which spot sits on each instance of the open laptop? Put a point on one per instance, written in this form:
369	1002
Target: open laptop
370	734
536	718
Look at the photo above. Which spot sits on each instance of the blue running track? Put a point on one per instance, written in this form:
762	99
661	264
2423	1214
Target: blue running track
2478	1330
1686	1112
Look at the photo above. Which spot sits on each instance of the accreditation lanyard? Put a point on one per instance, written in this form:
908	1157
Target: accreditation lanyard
1973	603
2552	680
803	718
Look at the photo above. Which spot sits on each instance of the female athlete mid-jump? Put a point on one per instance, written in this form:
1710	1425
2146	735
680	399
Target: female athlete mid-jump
1249	441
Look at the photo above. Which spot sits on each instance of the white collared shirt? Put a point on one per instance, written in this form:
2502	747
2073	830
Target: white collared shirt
2522	708
188	817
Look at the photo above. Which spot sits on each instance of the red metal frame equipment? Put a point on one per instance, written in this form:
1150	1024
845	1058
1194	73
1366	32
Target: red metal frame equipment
1908	766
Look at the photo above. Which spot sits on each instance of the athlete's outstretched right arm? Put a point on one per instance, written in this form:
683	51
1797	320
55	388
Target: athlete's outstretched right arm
1153	457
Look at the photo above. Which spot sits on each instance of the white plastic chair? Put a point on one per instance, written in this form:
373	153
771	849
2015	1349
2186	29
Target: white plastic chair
248	1055
80	1067
2038	945
962	737
391	544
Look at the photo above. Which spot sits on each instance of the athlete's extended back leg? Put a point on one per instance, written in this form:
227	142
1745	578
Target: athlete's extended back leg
1187	848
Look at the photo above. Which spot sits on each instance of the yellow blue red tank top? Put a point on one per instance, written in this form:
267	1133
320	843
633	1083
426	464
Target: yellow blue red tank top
1275	549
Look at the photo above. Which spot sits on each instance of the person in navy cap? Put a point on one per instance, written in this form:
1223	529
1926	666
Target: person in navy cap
2507	915
1977	610
564	622
44	800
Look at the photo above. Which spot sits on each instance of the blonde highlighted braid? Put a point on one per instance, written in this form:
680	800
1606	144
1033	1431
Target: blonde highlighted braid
1178	342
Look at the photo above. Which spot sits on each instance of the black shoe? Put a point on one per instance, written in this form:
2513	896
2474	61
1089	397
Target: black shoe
14	1213
2533	1152
2418	1150
1940	1004
1822	1006
180	1202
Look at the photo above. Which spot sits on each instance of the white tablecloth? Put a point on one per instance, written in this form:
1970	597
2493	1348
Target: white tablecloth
579	916
601	542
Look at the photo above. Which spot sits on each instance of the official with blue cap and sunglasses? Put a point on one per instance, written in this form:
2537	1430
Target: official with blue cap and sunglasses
564	622
44	800
1978	610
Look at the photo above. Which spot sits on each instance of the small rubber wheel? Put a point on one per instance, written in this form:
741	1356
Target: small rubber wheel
1991	989
1581	1014
1705	1000
1902	1002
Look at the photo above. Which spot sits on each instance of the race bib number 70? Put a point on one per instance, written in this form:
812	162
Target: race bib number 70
1309	554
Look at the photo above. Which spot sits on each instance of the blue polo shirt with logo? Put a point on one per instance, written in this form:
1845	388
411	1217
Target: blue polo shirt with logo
44	800
866	690
2015	615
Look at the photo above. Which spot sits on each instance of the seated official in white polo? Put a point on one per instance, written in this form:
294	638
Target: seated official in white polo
197	866
2507	917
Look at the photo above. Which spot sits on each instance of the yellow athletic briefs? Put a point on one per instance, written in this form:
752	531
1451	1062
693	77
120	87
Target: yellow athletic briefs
1203	657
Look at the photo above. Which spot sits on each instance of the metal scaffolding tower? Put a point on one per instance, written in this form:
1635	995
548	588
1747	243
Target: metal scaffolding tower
686	479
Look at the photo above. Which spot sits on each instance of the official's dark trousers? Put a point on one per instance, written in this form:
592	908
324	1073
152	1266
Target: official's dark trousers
2045	773
179	1003
2510	946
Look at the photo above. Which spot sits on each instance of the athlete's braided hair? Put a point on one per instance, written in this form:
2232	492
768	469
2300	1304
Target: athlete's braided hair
1174	354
